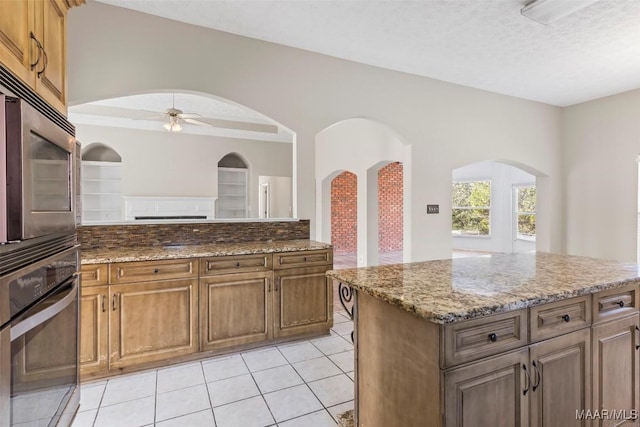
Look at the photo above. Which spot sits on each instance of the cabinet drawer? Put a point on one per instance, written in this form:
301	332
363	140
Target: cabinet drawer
478	338
146	271
236	263
94	274
615	303
557	318
302	259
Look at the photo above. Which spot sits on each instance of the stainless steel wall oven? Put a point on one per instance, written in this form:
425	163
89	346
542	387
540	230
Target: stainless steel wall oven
39	304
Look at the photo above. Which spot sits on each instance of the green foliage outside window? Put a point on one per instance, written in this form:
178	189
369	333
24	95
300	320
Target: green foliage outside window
526	211
471	206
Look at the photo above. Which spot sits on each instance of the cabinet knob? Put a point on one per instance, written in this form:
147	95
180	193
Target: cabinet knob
155	270
237	264
566	318
493	337
304	259
621	304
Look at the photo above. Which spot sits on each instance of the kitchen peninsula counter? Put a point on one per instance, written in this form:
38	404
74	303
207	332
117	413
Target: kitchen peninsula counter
170	251
508	339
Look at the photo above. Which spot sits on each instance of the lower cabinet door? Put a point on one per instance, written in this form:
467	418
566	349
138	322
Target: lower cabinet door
94	329
561	376
616	366
493	392
303	301
234	309
152	321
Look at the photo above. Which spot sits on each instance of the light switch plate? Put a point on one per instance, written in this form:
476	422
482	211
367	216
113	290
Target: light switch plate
433	209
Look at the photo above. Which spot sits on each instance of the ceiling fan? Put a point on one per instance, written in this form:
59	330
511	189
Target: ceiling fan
174	117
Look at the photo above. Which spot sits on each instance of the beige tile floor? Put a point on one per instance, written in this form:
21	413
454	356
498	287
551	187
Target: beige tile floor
299	384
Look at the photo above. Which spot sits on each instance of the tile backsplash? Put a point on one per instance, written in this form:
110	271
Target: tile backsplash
132	235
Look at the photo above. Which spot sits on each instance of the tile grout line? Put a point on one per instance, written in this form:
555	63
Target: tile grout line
204	377
259	391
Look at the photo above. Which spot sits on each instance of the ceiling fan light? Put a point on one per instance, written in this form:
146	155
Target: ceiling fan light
548	11
173	126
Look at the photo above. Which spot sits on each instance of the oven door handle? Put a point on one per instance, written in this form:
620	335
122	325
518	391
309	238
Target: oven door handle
39	318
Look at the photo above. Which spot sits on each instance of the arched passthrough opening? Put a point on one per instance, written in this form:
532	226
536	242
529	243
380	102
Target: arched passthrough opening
364	146
177	164
494	209
344	219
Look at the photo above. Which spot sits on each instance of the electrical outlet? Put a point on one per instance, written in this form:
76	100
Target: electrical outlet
433	209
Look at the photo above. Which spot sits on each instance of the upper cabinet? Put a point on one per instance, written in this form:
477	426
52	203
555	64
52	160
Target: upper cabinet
33	36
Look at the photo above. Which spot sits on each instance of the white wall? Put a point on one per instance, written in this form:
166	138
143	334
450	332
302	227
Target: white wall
178	164
503	177
602	143
114	51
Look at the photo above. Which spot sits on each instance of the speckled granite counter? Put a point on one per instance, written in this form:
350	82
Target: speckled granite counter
149	253
446	291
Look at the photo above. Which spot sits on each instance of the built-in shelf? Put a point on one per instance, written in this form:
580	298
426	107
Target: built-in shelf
101	191
232	192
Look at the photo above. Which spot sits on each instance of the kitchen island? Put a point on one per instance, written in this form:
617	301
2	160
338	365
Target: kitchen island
505	340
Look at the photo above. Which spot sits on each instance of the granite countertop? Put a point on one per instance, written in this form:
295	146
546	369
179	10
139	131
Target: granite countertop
452	290
150	253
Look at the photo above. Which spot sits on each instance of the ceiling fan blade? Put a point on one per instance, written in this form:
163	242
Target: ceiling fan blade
189	115
240	125
196	122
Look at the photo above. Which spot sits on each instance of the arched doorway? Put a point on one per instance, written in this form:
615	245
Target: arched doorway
390	213
493	209
344	219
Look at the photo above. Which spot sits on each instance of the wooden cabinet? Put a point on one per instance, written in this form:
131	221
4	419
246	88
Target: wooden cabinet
616	368
33	45
94	328
561	380
143	312
18	49
302	301
488	393
152	321
138	312
235	309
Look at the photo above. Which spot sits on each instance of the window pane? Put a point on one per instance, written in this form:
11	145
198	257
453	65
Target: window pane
470	222
476	194
527	199
527	225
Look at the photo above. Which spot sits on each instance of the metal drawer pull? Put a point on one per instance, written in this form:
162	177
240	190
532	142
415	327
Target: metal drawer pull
538	377
155	270
493	337
304	259
566	318
621	304
237	264
113	302
104	303
527	380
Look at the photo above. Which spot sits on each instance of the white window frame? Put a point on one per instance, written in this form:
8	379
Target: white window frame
517	213
456	233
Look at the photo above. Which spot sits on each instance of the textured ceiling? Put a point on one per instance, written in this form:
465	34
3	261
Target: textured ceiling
486	44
